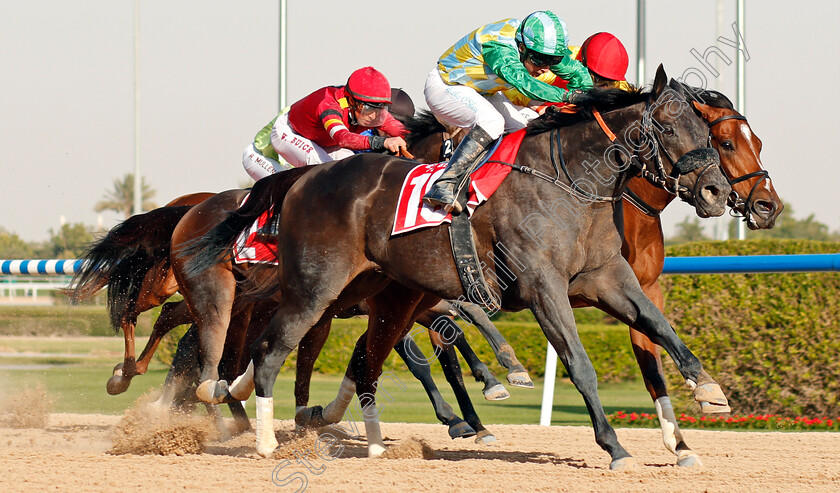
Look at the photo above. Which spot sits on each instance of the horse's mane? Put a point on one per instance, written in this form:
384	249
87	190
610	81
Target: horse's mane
421	125
602	99
709	97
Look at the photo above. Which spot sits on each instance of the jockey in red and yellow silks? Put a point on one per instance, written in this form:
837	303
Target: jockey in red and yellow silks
466	88
326	126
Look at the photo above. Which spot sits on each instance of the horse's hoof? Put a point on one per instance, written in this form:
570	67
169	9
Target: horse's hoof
311	417
711	393
497	392
623	464
709	408
484	437
460	429
375	450
212	391
687	458
266	448
520	379
117	385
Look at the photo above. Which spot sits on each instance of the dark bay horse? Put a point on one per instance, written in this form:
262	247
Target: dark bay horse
753	197
218	308
559	236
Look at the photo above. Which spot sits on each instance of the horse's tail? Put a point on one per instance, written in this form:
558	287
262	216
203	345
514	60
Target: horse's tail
121	259
215	246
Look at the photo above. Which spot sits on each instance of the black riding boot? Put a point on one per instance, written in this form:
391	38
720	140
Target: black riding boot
445	190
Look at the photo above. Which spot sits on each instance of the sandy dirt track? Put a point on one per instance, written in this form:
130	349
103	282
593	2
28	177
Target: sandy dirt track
70	454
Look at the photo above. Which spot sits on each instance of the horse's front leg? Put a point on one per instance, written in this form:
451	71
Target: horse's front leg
550	304
391	317
650	363
619	294
308	350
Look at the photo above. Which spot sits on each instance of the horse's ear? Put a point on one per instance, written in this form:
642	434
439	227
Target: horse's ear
660	82
705	111
673	84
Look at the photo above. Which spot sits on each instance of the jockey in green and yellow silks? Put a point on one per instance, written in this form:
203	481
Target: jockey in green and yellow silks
603	55
466	88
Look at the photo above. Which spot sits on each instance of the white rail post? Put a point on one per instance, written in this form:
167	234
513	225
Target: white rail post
548	386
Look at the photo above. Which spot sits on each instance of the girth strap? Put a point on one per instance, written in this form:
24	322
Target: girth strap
467	264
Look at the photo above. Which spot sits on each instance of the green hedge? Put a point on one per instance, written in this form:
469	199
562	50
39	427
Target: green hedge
770	340
608	347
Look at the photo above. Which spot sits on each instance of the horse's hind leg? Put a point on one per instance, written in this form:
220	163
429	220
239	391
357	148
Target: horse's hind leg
172	315
452	370
451	334
505	355
417	363
123	372
178	388
650	363
308	350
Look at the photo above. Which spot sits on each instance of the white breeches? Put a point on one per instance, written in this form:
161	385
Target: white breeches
258	166
464	107
298	150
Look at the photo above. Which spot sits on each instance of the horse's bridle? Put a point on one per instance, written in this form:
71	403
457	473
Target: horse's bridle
660	179
735	200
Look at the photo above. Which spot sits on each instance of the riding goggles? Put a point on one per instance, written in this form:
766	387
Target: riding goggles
366	108
541	60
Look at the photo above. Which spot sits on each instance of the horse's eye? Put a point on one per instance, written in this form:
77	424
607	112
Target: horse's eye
726	145
668	130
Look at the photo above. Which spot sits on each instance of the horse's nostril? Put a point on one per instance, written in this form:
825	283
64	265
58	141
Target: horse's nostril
711	191
764	207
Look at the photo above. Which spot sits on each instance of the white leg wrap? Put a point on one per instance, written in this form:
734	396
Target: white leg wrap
671	435
376	447
242	387
266	442
335	409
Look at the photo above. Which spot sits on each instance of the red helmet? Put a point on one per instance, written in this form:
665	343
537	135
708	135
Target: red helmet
604	54
369	85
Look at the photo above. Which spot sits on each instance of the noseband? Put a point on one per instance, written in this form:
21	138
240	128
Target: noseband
735	201
685	164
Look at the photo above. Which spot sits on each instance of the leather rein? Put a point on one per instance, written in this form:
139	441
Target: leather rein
658	178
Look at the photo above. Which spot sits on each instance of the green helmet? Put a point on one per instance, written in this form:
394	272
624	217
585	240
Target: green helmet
544	33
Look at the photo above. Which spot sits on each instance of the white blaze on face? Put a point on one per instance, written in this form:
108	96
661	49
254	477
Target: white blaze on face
748	138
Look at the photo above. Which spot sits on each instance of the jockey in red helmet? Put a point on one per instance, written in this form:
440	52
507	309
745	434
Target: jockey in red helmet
606	58
326	126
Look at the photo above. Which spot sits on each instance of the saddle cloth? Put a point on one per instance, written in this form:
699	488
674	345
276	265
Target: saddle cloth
413	214
249	249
